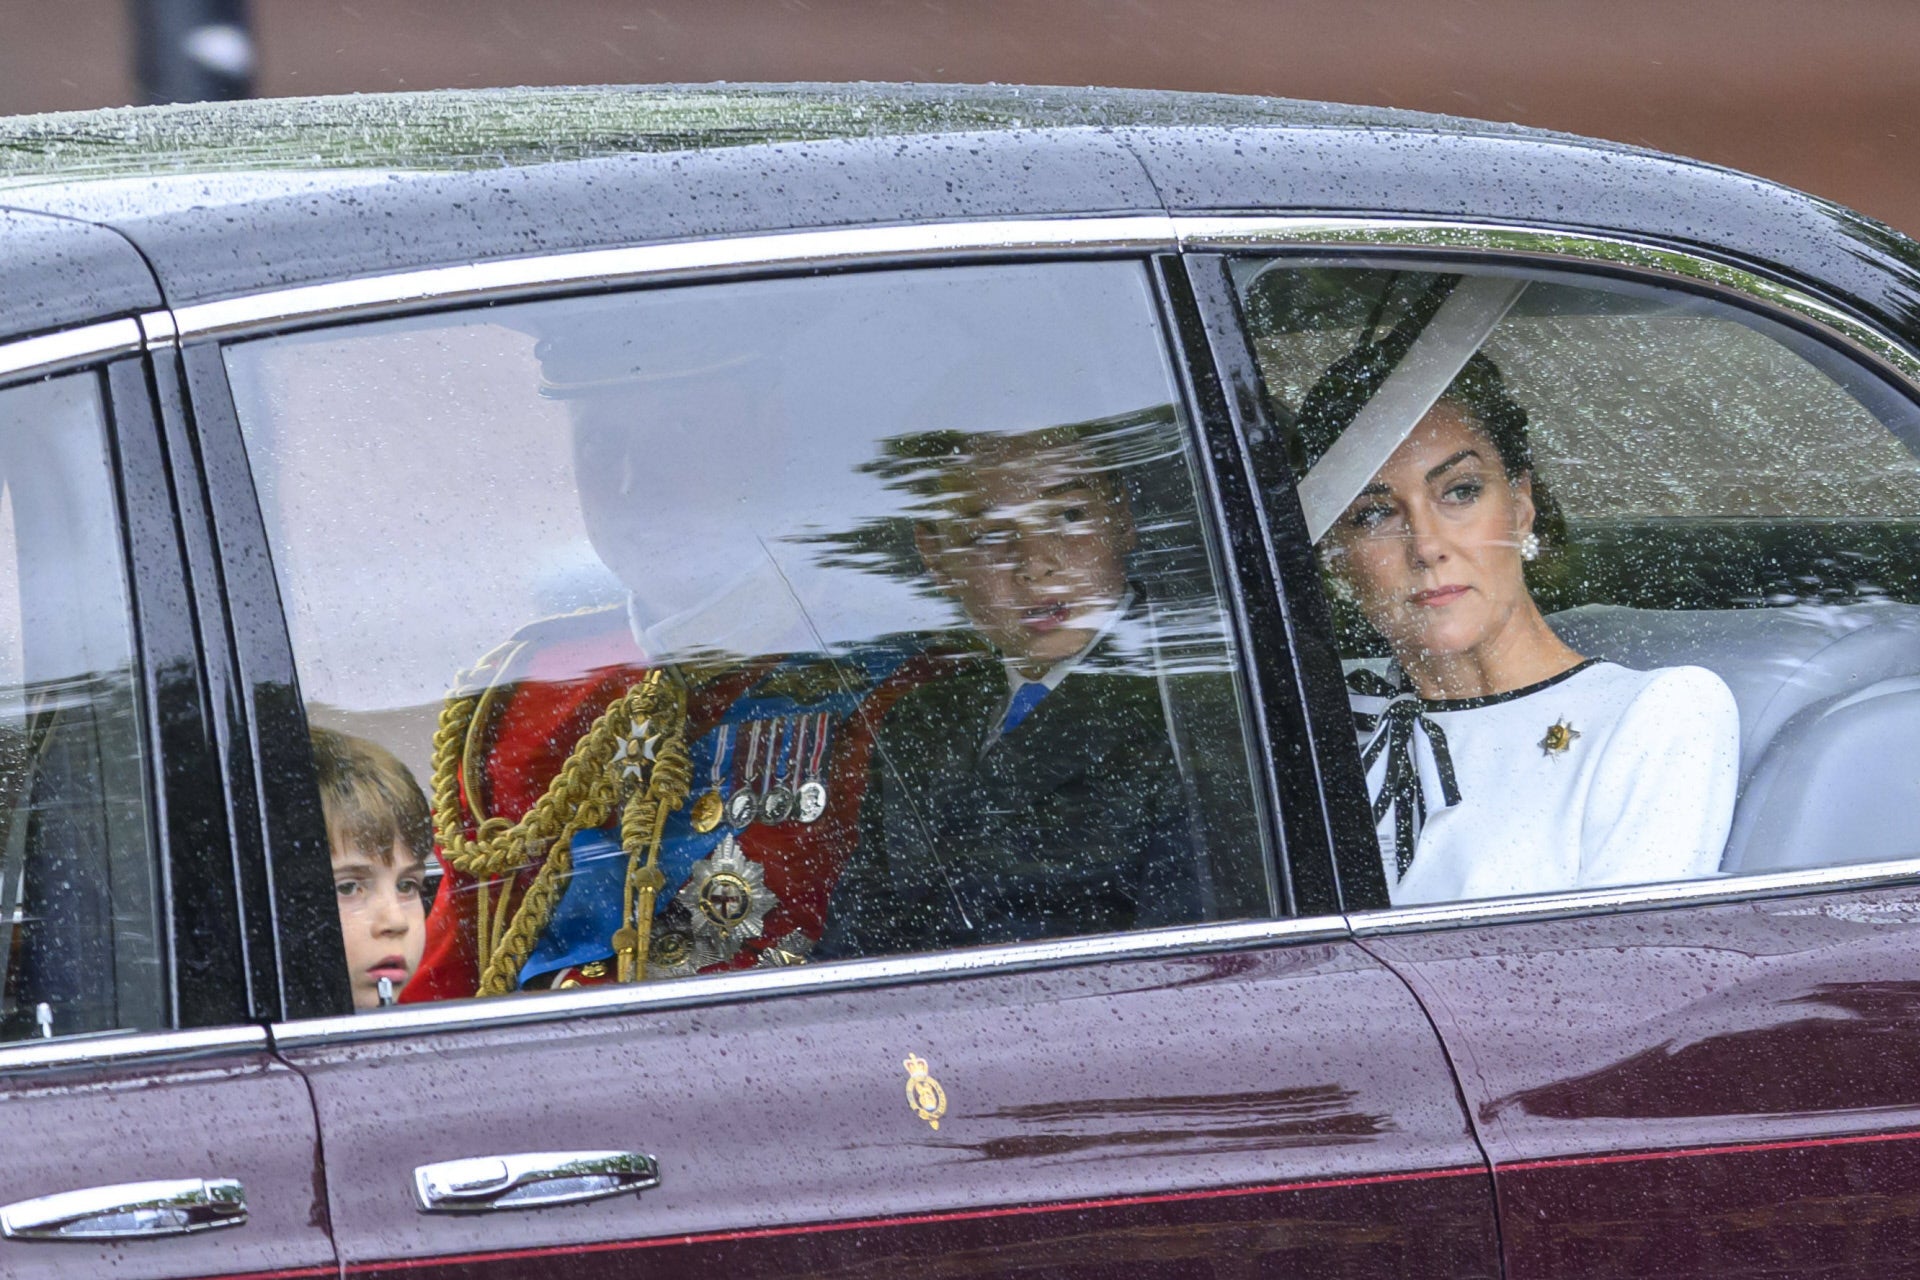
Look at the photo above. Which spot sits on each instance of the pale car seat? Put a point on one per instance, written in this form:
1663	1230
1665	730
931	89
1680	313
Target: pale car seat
1837	786
1787	668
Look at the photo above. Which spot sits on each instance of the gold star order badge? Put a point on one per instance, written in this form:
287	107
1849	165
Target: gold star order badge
1560	736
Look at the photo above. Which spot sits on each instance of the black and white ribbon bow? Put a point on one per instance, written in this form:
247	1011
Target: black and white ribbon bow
1400	789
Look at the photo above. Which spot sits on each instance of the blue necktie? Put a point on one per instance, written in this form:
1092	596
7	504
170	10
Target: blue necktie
1025	699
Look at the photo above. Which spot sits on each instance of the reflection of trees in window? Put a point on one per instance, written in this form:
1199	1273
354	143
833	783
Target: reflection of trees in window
926	466
1143	452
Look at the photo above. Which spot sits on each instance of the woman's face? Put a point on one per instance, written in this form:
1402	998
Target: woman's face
1431	547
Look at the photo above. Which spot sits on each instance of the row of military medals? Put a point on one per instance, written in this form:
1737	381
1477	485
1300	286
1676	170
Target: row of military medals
776	751
725	901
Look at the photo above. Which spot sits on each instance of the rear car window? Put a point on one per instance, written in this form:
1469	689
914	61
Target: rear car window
769	623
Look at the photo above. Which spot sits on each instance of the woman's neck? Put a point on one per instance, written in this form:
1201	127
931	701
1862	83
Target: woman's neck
1524	652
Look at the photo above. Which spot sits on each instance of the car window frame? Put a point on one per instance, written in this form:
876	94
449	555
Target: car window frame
1433	244
200	947
288	813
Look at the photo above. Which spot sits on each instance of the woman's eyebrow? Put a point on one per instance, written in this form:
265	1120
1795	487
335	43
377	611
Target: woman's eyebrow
1460	456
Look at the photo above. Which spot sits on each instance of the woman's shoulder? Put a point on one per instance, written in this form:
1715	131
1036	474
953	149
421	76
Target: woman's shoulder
1665	686
1661	707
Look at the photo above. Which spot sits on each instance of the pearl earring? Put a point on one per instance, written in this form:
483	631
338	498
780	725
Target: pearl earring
1530	546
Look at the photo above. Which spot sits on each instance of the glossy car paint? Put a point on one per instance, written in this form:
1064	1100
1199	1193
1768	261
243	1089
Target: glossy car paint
1701	1091
262	195
1285	1111
239	1115
55	273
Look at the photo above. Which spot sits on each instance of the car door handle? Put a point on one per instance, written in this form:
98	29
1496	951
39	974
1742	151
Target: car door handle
532	1180
128	1211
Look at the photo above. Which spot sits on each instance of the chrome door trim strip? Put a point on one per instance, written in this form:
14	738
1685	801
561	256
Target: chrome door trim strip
1535	244
118	1048
753	984
519	277
56	352
1738	888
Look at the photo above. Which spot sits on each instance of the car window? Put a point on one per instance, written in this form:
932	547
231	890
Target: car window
1626	580
762	624
80	947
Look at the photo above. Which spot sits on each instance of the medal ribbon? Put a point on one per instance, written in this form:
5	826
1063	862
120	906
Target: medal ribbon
797	746
717	774
774	738
750	765
822	726
1400	789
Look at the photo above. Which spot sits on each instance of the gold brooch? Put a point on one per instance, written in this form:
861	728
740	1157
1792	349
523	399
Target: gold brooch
924	1094
1560	736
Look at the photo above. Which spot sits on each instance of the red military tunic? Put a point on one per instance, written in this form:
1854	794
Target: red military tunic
548	687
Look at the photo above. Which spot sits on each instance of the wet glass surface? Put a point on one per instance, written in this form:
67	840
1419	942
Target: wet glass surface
1604	559
79	932
918	553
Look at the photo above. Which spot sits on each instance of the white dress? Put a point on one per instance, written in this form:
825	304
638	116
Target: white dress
1484	797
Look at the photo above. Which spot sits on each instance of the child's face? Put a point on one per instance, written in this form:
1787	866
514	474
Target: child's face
1033	548
382	918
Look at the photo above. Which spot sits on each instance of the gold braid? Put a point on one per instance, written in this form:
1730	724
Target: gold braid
583	795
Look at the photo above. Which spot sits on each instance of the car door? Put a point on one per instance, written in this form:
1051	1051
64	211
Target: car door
150	1130
1705	1077
1062	1018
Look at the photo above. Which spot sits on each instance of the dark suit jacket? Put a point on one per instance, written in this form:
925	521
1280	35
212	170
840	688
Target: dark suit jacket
1075	822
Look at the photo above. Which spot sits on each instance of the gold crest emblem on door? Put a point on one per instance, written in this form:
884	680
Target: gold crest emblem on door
924	1094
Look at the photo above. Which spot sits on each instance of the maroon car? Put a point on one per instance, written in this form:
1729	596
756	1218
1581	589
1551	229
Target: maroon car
855	598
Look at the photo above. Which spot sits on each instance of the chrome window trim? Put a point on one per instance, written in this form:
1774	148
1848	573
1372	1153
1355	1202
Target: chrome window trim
1526	244
159	330
509	278
1589	902
122	1047
850	975
57	352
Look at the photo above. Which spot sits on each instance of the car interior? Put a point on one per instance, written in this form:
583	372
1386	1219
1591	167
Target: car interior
1727	493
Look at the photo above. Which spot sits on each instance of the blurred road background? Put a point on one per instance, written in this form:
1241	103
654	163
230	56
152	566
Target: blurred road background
1821	94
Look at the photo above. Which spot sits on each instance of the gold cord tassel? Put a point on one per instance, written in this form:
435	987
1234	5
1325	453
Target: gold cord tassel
636	748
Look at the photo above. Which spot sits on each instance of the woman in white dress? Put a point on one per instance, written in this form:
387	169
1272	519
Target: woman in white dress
1499	760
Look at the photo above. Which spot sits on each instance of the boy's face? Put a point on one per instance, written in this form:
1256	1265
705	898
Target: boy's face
1033	547
383	918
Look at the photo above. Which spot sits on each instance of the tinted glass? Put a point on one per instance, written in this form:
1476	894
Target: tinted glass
1627	580
915	562
79	935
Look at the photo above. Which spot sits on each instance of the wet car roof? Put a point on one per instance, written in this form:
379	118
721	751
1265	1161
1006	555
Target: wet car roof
235	198
512	128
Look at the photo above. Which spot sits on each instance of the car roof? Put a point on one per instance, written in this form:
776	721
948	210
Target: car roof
229	199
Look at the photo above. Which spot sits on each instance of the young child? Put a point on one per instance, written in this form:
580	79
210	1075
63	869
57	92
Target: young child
380	833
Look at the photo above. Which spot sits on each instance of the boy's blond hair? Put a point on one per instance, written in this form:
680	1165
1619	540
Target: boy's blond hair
370	799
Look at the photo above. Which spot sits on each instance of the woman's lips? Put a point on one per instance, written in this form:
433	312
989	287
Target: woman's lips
1435	597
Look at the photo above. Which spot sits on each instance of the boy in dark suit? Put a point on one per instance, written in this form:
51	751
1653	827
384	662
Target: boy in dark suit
1029	789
